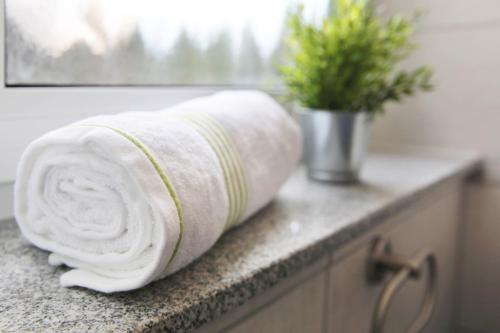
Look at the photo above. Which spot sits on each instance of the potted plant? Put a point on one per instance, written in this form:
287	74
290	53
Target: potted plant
341	73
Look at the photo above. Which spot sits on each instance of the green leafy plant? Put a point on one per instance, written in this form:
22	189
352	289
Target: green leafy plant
349	61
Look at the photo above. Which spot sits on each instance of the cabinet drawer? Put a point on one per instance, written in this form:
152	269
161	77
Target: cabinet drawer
300	310
352	297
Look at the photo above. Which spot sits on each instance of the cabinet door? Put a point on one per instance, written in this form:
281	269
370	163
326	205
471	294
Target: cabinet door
300	310
433	224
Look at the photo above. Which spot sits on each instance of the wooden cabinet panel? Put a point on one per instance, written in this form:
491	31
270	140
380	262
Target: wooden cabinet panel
480	292
301	310
352	298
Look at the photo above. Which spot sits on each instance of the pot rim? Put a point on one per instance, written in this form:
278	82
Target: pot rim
302	109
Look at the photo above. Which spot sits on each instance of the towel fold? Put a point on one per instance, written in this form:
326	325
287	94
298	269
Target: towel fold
131	198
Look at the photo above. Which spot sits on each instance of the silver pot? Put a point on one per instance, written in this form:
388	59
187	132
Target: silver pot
335	143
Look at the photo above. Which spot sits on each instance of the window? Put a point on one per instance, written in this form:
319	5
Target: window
147	42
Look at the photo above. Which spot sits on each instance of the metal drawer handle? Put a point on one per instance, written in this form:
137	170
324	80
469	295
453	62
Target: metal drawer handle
381	261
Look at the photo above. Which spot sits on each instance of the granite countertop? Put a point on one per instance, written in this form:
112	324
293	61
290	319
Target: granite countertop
306	221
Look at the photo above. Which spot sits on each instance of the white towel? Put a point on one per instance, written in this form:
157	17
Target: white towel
131	198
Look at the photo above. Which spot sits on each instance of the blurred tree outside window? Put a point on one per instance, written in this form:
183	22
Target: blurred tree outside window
147	42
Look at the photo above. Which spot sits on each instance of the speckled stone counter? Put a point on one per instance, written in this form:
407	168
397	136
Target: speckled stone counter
305	222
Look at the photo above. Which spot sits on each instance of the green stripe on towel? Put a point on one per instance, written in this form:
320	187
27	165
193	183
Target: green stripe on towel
229	159
168	184
235	157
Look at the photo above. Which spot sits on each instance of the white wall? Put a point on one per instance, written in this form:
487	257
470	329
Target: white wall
461	39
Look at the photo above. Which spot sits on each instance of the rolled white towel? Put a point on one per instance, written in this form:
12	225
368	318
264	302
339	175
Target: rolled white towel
131	198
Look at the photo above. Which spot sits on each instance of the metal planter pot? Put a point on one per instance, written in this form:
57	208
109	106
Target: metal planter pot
335	143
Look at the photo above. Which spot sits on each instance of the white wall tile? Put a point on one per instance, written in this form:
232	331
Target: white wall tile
464	109
454	13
